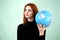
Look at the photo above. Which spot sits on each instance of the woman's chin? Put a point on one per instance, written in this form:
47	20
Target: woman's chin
27	17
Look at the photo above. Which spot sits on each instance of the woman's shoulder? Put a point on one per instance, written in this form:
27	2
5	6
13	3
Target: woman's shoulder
20	26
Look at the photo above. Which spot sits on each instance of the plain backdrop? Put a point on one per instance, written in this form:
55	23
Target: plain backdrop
11	15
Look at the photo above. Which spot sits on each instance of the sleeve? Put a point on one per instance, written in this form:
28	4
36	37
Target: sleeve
19	32
42	37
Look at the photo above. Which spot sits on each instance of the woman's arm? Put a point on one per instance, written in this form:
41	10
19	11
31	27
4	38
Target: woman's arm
19	32
42	37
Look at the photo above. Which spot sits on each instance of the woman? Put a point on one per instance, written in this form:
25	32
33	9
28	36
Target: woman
29	30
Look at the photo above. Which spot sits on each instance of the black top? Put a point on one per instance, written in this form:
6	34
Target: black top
29	31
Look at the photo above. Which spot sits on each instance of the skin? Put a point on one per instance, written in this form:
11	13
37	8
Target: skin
29	15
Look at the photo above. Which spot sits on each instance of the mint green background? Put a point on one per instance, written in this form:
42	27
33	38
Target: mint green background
11	14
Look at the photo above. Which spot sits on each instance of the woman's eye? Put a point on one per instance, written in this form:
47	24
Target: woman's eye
29	10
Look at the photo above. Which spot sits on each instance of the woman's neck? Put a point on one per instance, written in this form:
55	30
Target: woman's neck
30	19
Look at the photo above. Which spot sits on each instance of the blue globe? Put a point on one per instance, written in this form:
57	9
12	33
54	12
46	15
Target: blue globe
43	17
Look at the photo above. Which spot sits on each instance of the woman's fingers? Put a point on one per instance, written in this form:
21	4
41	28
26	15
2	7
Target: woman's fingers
44	27
40	27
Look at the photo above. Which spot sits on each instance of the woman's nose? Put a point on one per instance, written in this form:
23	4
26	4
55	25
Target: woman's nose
26	12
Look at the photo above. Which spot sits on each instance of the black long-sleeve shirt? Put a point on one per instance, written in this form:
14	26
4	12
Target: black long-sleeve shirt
29	31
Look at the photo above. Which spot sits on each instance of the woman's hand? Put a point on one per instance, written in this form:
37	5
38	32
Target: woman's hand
41	29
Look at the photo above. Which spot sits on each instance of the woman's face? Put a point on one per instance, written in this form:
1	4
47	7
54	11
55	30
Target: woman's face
28	12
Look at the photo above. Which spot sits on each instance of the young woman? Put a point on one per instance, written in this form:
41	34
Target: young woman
29	30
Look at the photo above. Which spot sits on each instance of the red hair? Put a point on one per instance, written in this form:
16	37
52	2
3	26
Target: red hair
35	10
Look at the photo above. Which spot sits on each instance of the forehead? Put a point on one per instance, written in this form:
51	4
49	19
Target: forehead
28	7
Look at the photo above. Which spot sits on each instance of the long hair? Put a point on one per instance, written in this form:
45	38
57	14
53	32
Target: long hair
34	8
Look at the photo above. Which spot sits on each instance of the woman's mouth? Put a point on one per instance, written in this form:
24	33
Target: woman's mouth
27	15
